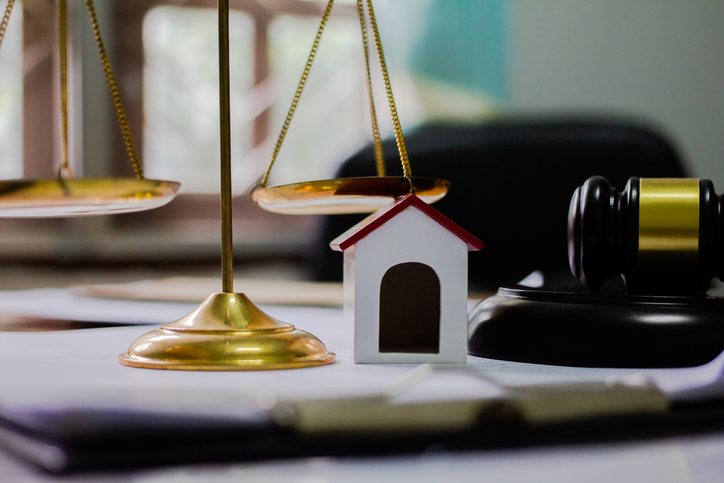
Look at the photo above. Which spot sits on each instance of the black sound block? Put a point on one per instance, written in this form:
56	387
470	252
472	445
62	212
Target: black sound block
610	328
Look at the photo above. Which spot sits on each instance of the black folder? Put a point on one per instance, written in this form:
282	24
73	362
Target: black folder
67	439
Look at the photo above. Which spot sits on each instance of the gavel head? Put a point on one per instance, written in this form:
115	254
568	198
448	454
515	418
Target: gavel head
663	235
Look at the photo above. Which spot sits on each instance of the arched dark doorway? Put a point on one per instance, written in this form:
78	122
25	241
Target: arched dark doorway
410	309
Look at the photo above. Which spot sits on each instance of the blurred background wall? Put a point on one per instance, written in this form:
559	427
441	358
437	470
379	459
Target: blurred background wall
660	60
455	61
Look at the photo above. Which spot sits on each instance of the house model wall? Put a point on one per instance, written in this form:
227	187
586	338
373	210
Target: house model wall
405	285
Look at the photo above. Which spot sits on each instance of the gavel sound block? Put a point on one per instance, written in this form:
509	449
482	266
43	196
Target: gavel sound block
645	258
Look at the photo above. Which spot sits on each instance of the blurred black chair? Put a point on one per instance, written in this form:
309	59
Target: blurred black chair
512	181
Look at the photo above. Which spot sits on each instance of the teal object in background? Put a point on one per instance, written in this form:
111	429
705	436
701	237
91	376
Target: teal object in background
463	42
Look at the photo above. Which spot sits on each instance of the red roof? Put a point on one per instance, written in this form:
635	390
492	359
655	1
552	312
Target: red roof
382	216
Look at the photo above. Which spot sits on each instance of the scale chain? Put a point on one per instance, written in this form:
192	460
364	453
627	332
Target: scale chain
376	138
115	93
406	170
65	171
298	93
5	20
379	156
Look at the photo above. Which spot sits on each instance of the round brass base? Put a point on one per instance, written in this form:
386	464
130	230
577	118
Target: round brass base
227	333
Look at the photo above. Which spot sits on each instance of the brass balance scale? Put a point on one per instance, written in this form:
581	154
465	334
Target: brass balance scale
227	331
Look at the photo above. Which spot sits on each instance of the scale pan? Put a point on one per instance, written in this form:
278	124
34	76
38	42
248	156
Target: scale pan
345	195
54	198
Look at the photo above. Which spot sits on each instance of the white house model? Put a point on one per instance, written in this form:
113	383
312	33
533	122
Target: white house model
405	285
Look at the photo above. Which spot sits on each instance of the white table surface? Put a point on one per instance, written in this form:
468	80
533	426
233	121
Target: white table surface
81	366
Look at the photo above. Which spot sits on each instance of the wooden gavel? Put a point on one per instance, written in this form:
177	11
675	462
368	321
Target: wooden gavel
665	236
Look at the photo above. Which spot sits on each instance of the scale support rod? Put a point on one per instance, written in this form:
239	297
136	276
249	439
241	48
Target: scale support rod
227	248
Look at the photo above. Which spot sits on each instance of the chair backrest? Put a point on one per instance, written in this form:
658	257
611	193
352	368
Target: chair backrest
512	182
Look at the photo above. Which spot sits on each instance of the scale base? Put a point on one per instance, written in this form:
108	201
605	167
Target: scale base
605	329
227	333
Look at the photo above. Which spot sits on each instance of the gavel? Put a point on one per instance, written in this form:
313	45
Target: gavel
664	235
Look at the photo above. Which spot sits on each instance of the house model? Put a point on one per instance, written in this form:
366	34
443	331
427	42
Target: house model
405	285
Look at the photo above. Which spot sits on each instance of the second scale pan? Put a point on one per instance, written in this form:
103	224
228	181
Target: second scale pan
52	198
345	195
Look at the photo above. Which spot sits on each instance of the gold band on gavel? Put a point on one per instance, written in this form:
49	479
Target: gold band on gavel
668	252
